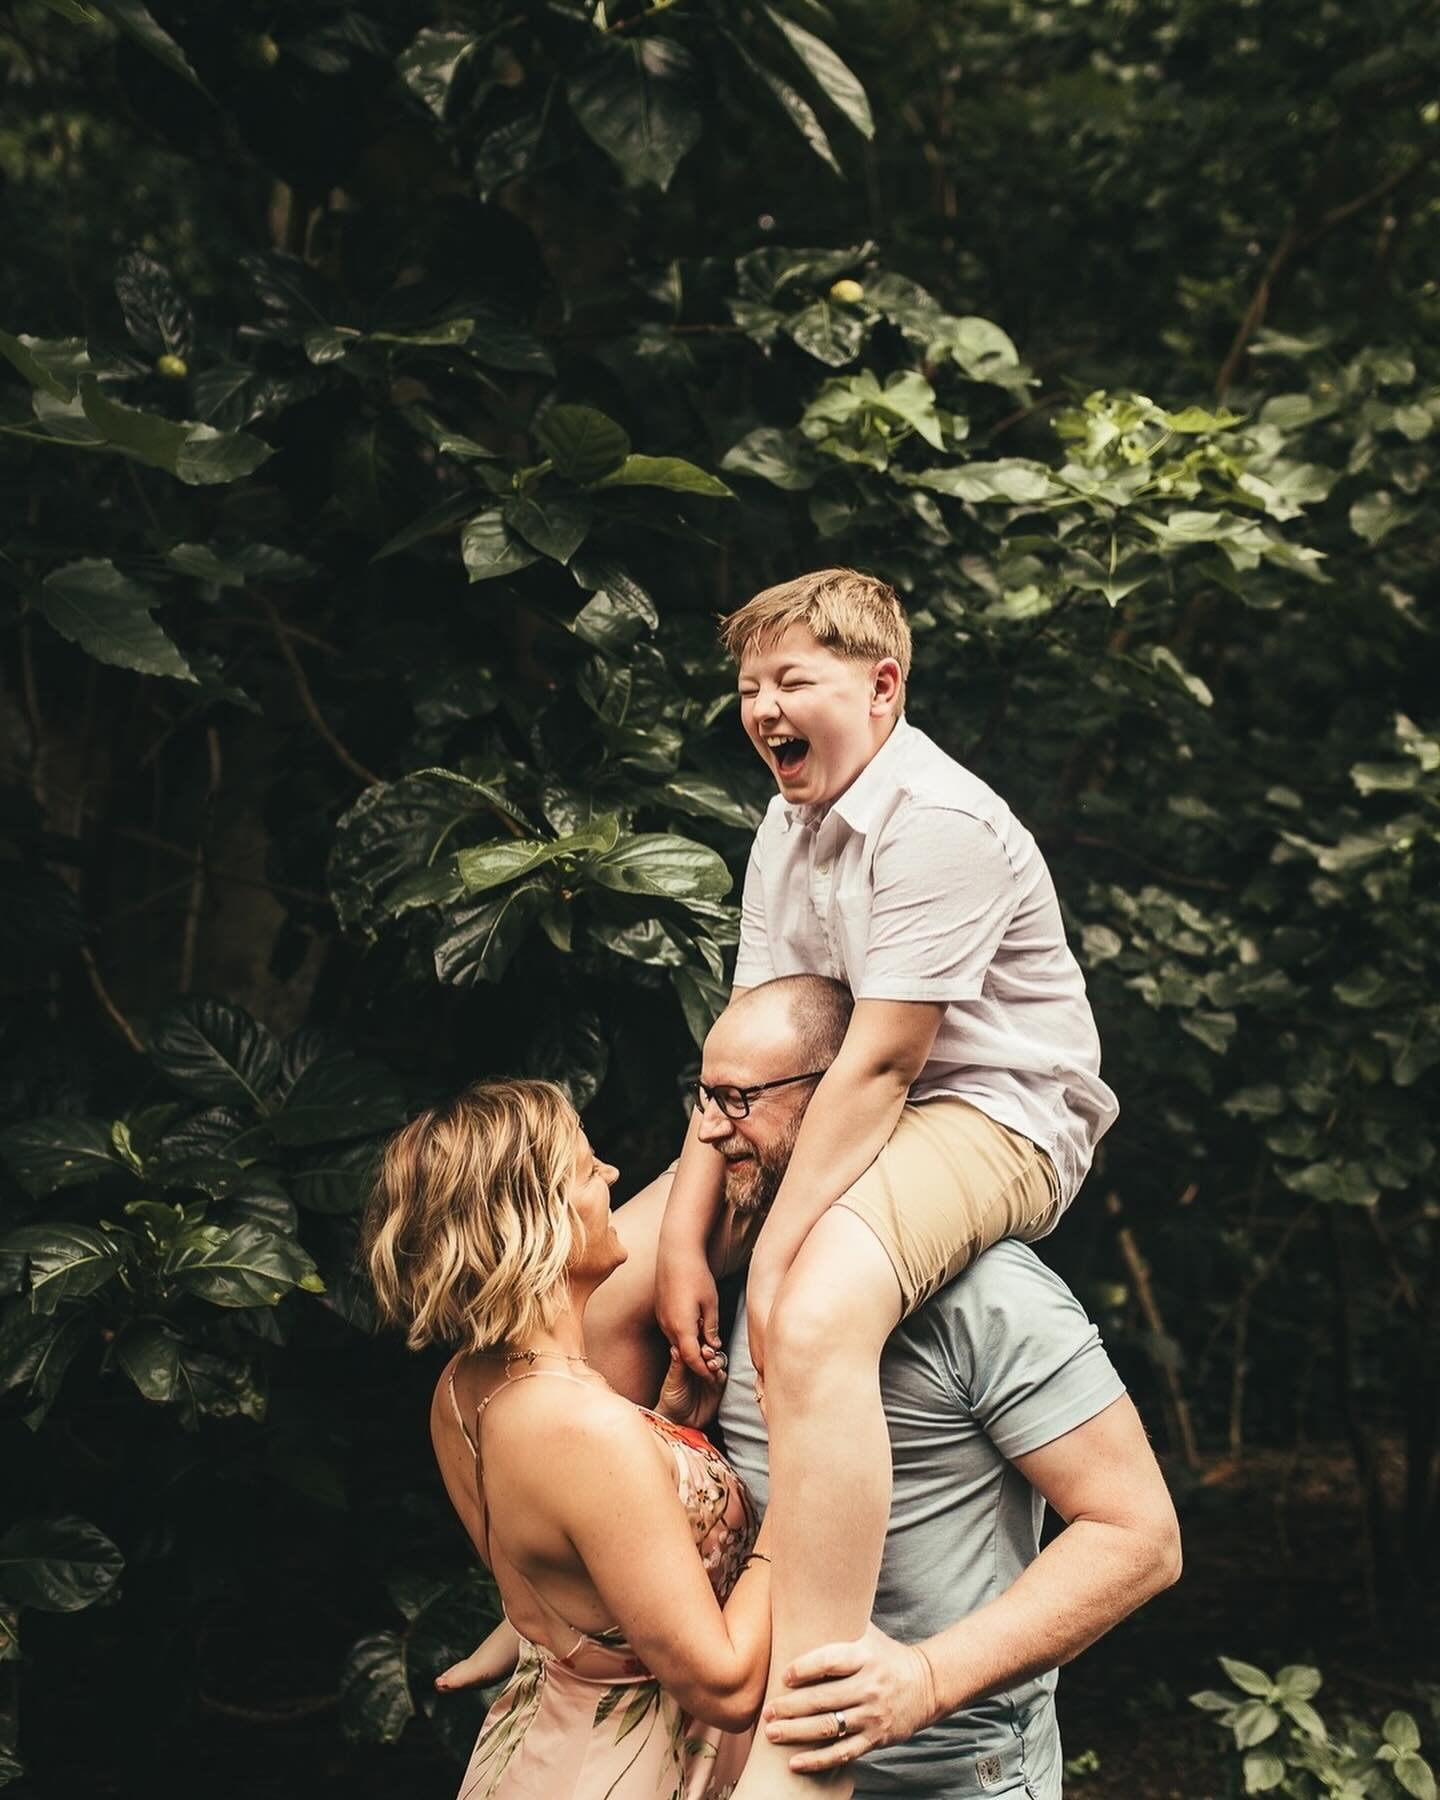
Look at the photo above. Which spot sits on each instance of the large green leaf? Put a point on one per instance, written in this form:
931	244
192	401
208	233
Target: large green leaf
157	315
249	1266
572	1050
396	831
133	17
54	365
108	615
673	868
216	1051
57	1565
490	548
553	525
150	1356
66	1261
59	1151
338	1179
583	443
338	1098
199	455
476	943
671	472
837	82
375	1701
490	865
636	98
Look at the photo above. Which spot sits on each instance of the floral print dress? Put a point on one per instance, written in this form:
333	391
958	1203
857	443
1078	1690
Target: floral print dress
582	1718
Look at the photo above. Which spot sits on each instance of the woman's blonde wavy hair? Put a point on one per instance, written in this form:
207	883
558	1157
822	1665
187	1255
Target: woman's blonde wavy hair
469	1231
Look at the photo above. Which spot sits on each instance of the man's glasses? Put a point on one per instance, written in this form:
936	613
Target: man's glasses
734	1102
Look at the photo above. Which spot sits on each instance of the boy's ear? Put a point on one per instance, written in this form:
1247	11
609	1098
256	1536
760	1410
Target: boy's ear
884	680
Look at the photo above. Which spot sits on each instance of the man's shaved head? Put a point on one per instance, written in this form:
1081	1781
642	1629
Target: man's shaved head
791	1026
811	1011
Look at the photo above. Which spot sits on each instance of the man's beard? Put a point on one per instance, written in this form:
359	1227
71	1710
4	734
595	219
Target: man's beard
752	1182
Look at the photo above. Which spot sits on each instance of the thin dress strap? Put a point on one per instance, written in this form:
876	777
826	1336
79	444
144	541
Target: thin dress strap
509	1381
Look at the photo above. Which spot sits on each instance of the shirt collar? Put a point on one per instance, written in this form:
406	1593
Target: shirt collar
857	805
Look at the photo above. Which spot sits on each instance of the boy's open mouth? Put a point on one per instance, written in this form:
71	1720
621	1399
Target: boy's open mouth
789	752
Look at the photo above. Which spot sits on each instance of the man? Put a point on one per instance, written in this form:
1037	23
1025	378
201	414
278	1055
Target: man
999	1399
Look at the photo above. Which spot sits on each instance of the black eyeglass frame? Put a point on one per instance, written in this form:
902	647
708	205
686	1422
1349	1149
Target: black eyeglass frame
746	1094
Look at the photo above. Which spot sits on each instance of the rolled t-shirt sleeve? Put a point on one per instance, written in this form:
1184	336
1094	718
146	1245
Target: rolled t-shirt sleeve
753	962
1025	1357
943	894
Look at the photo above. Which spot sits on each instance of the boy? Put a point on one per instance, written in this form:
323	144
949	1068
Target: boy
963	1107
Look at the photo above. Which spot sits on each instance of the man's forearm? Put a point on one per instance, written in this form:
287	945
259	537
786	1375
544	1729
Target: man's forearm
1081	1585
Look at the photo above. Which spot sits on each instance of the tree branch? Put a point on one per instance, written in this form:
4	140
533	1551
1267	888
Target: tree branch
307	697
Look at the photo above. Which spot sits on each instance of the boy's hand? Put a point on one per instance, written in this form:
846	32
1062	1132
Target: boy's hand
486	1664
687	1304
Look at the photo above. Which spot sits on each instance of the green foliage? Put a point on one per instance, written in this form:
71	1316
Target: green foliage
391	400
1285	1747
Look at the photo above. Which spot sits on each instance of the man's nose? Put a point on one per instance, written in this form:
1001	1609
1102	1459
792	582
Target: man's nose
713	1123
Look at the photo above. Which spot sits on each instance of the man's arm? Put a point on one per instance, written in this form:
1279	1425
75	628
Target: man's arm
1120	1547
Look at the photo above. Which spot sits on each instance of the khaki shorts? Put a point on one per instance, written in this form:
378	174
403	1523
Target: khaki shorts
950	1183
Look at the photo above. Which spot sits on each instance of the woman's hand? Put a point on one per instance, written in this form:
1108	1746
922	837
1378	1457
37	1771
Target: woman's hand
882	1692
486	1664
690	1399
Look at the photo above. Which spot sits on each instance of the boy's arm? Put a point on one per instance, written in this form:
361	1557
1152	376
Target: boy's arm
846	1125
686	1299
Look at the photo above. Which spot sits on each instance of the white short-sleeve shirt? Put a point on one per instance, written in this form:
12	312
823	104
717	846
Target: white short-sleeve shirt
919	883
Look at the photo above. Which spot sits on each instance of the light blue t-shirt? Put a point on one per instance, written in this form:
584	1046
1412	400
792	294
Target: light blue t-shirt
997	1364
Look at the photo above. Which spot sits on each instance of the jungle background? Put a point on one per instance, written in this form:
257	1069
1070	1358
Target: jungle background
393	394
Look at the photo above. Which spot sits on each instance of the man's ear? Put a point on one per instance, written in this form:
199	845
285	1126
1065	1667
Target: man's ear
885	684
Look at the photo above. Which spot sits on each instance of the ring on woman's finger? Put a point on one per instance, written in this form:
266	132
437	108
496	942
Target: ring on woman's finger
840	1726
719	1359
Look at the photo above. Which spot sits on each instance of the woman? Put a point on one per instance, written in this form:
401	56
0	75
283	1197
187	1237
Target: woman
623	1545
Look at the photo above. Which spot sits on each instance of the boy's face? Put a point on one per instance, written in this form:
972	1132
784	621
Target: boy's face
816	718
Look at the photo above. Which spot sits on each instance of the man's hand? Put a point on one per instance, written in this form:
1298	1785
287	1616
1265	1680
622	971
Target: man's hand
690	1399
487	1663
881	1691
687	1304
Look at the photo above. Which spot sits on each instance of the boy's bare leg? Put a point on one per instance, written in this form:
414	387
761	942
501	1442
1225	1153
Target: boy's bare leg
622	1339
829	1463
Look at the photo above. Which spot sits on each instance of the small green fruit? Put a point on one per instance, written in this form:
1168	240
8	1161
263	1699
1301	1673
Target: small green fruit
173	368
847	293
262	51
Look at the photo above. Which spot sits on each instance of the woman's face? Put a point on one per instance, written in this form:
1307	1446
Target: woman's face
601	1253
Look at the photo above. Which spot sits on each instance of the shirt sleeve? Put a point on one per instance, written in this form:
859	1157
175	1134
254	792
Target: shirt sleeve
1026	1360
943	896
753	962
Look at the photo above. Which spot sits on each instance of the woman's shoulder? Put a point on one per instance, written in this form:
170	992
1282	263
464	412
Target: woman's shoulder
576	1417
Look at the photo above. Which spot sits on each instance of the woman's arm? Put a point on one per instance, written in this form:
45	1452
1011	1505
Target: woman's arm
618	1510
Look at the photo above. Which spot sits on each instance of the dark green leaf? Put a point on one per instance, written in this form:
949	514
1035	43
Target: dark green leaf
573	1051
489	548
249	1266
150	1356
782	458
636	99
477	942
58	1151
671	472
108	615
554	526
216	1051
674	868
338	1098
490	865
833	335
57	1565
375	1701
839	85
156	314
705	799
66	1261
135	18
583	444
337	1180
53	365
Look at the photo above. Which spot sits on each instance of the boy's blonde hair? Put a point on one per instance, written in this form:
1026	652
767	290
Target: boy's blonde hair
850	613
469	1230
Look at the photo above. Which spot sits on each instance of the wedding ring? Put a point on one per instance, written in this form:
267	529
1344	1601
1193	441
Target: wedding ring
840	1726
